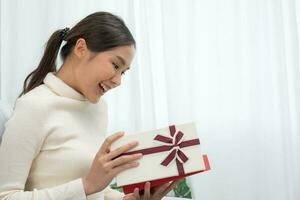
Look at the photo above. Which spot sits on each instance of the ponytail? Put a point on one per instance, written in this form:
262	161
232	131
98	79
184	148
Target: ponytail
47	63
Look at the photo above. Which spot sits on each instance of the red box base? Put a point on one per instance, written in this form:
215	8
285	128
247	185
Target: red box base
130	188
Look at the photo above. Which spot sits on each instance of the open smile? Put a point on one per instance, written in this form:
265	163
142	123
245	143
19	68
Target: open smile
102	88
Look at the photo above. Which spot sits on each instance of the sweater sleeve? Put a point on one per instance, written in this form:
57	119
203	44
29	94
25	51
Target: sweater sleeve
21	142
110	194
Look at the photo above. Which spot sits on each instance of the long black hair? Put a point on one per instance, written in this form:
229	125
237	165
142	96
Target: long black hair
101	31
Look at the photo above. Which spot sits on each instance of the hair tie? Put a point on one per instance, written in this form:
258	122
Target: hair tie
63	33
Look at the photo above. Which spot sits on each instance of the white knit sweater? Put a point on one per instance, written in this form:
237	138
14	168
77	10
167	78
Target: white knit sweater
50	142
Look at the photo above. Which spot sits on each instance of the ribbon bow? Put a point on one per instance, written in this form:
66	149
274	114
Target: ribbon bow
174	143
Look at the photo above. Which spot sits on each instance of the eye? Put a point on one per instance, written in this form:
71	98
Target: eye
116	66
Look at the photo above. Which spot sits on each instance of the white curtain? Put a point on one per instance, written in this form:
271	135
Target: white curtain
232	66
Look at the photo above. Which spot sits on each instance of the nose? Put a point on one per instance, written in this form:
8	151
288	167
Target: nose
116	80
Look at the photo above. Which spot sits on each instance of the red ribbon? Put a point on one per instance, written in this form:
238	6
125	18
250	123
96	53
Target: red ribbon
174	145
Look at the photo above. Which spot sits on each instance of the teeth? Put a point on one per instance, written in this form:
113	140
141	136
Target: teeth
103	87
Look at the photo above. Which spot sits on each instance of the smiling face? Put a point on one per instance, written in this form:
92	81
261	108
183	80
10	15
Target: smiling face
94	73
104	71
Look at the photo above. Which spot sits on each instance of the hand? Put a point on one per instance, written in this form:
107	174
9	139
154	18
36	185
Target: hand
158	192
106	166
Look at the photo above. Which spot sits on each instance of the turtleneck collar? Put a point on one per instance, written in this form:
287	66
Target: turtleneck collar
61	88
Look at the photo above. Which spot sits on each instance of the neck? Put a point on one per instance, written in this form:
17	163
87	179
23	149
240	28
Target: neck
67	73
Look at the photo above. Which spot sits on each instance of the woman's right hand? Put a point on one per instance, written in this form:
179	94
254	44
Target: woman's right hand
104	167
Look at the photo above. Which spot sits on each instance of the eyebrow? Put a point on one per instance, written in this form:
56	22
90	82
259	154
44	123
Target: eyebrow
122	60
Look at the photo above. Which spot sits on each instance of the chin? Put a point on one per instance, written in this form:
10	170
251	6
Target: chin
94	99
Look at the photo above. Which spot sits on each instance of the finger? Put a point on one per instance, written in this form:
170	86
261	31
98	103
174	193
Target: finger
161	188
124	167
121	150
136	193
129	197
147	193
109	140
124	159
170	187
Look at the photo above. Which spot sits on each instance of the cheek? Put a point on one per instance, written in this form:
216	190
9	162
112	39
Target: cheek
106	72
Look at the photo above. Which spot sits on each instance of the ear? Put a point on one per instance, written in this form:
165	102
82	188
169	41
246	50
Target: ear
80	48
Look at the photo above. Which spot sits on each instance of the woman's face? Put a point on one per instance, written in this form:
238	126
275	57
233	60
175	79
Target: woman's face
99	72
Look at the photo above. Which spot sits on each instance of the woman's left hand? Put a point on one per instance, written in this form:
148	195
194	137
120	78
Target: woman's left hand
158	192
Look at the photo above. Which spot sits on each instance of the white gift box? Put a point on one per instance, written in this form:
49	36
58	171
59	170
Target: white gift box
168	154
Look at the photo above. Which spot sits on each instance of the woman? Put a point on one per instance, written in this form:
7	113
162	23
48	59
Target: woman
54	144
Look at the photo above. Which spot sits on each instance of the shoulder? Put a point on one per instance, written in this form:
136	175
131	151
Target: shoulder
33	104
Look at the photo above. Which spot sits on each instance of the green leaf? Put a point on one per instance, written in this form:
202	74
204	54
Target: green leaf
182	190
115	187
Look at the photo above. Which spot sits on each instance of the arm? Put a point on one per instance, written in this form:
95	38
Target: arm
71	190
22	140
110	194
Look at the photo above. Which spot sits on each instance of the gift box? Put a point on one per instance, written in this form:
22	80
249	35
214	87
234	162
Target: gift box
169	154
